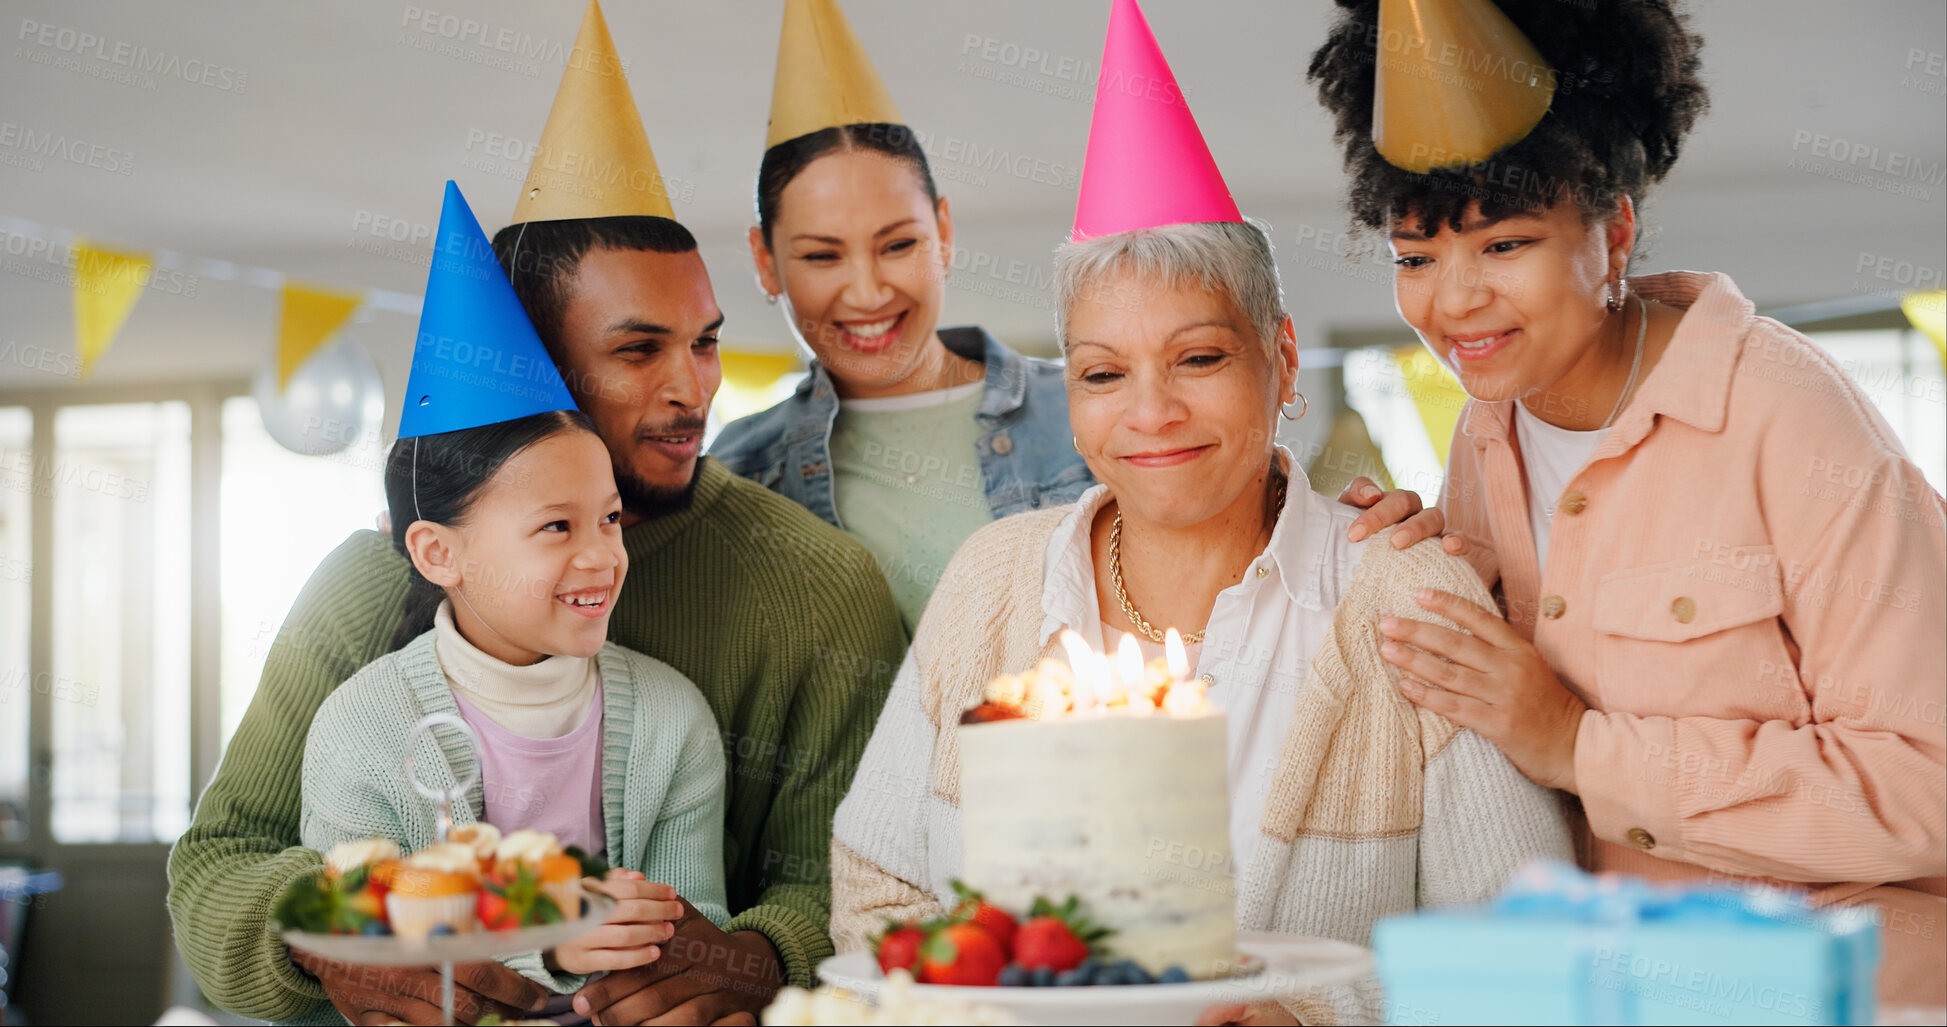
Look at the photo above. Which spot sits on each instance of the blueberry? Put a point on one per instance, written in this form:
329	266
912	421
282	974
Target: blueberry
1014	975
375	927
1104	974
1042	977
439	929
1174	975
1072	978
1132	972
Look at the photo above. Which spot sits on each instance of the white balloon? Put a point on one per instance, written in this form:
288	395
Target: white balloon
335	399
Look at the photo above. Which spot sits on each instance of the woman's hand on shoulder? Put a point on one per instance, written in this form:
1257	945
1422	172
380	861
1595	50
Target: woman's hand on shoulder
1489	680
1400	509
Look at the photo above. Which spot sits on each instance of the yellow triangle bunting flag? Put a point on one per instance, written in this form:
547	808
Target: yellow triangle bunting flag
310	316
106	286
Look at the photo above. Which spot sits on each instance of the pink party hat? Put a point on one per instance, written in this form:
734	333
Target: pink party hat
1147	164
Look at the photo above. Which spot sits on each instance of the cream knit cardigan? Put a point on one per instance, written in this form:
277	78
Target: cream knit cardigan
1377	807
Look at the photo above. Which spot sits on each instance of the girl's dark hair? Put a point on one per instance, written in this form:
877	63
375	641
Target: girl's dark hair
1627	92
783	162
438	477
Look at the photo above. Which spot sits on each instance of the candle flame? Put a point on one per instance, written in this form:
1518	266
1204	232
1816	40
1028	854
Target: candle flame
1173	652
1079	654
1129	664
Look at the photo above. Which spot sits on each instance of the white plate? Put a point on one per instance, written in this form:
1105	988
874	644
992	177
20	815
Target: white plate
1275	965
391	950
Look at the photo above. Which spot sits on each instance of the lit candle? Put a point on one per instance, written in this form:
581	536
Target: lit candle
1129	664
1174	654
1081	661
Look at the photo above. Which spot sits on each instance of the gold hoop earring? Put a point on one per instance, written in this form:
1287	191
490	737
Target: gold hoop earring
1077	443
1303	409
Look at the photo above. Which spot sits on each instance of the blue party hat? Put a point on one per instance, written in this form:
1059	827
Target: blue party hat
478	360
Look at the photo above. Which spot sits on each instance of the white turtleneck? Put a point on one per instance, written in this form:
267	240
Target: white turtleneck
547	699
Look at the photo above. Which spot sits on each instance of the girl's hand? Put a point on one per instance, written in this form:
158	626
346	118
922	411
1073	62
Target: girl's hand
644	916
1493	683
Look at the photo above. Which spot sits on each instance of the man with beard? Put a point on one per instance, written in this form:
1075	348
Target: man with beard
785	624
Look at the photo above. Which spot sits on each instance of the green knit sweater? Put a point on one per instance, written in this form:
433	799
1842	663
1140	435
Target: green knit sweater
662	773
784	624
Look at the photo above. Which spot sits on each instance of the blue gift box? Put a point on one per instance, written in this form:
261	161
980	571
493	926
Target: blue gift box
1561	947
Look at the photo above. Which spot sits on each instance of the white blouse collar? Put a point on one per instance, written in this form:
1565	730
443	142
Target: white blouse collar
1298	558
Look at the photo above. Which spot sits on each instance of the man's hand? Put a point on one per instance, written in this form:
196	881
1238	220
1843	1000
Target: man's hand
1399	509
704	976
384	994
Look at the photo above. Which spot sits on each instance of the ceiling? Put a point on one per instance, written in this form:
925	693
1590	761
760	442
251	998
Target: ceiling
297	137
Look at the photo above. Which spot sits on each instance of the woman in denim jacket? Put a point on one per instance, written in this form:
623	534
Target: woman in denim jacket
906	436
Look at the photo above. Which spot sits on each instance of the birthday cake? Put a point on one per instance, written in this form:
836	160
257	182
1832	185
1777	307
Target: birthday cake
1105	781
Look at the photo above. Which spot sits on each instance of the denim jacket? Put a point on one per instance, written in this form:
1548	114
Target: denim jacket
1023	416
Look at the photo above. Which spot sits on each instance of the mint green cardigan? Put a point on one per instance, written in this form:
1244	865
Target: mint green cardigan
662	773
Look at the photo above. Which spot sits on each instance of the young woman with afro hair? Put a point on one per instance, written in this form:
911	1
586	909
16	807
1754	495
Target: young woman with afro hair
1720	575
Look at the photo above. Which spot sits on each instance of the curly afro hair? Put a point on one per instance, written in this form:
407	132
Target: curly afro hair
1627	93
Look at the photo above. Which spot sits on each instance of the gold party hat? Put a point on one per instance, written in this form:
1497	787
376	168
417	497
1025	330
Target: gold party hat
824	78
1456	83
593	160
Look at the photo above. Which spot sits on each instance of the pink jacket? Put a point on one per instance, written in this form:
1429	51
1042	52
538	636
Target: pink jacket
1746	586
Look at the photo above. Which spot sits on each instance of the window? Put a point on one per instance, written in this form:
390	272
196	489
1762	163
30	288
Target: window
282	514
1901	372
16	602
121	631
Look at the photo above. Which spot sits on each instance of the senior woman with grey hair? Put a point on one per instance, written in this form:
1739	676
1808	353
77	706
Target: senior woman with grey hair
1347	803
1179	359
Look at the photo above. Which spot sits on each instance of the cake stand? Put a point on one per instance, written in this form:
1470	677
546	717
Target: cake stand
446	949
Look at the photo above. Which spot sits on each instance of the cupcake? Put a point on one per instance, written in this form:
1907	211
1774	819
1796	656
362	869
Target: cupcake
432	891
482	838
540	852
346	857
357	876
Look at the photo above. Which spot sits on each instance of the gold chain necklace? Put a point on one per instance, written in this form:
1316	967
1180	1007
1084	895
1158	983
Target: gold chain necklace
1129	610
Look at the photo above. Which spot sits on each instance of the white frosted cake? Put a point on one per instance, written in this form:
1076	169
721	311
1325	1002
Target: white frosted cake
1121	803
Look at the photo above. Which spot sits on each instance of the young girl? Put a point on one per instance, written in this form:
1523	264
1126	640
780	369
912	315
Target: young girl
512	530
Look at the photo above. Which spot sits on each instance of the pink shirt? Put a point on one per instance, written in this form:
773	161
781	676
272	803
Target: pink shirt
1746	586
543	784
